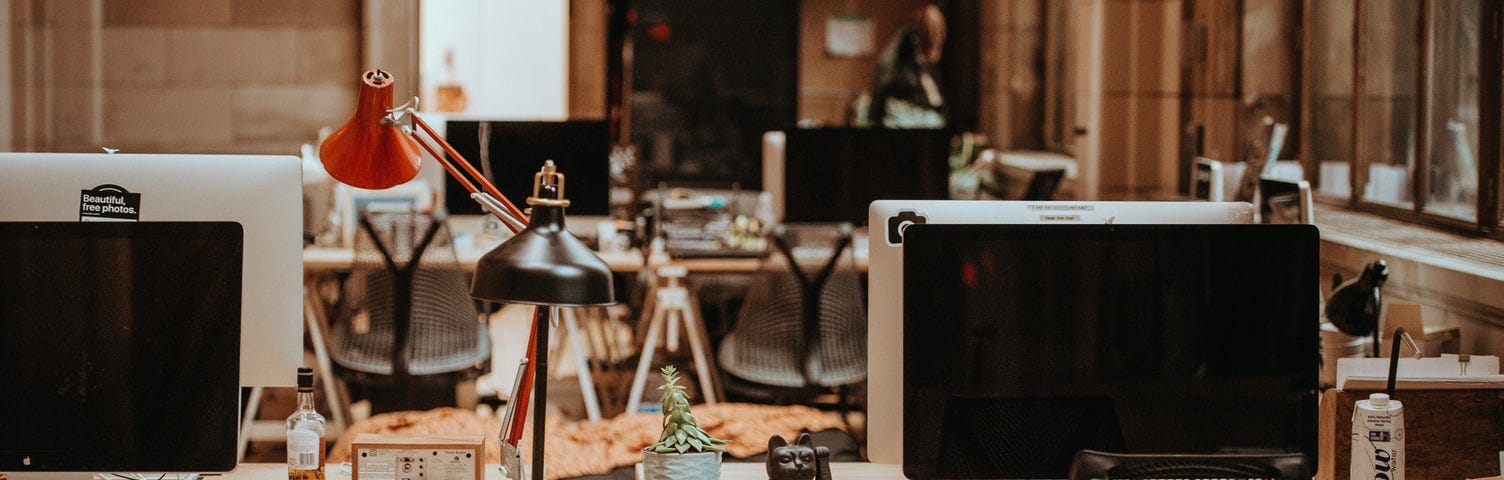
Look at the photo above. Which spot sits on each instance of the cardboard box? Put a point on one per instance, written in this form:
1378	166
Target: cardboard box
418	457
1448	433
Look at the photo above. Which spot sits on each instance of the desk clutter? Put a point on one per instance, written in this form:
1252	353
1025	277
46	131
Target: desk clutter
595	448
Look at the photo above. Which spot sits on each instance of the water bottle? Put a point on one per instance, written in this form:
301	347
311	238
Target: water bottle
1378	450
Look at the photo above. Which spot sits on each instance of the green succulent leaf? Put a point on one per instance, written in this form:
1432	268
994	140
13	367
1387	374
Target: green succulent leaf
681	432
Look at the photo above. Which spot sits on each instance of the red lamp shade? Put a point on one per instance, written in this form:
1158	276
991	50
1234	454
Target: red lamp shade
368	152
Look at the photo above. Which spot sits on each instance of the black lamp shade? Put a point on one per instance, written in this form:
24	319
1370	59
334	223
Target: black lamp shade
544	265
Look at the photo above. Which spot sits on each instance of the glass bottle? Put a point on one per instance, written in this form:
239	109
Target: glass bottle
305	434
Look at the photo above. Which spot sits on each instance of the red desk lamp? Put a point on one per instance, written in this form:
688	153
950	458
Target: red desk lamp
542	265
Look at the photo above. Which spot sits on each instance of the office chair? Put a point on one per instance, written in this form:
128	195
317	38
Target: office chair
1092	465
406	326
801	331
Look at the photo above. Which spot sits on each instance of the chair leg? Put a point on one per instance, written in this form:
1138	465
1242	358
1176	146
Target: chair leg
582	364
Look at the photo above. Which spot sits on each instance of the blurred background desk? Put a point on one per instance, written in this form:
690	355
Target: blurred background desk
333	259
338	259
720	280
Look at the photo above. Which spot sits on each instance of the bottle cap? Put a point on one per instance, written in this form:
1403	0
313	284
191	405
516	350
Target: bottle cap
305	377
1378	400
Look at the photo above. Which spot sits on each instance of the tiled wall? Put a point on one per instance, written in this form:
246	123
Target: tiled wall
1141	98
183	76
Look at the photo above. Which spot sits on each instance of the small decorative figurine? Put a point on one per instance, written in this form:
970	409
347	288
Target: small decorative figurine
799	461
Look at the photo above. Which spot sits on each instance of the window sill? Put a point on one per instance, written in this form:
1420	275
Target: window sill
1459	280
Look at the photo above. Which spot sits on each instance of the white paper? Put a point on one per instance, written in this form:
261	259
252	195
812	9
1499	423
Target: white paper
1444	372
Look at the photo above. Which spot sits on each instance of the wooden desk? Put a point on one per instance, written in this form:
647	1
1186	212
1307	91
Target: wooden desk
335	259
468	250
729	471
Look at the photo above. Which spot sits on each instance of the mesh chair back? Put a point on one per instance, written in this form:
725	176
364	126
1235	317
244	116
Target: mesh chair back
407	308
777	342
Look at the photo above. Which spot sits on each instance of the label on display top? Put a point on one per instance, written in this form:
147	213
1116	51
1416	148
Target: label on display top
109	203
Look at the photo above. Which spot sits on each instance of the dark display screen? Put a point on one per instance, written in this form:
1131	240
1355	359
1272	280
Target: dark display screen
1024	344
119	346
516	150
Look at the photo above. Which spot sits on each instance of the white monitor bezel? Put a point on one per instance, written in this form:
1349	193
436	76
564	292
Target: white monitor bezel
885	279
261	192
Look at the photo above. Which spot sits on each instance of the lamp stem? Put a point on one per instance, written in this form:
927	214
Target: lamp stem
540	387
1394	356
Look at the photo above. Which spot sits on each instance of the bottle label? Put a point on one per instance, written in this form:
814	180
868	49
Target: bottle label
303	449
1378	443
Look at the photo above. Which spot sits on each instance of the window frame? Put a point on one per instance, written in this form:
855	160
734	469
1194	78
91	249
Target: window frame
1488	221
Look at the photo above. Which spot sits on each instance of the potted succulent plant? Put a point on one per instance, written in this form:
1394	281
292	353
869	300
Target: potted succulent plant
683	451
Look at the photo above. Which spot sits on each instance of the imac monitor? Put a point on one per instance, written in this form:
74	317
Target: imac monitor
1285	201
515	150
1206	180
122	346
261	193
1026	344
887	220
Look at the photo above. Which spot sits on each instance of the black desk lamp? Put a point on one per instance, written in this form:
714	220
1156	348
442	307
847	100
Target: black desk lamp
543	265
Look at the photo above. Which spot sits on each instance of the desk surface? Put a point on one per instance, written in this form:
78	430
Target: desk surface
729	471
328	259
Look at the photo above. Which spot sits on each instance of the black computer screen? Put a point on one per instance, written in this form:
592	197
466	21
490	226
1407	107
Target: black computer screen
833	174
121	346
1026	343
517	149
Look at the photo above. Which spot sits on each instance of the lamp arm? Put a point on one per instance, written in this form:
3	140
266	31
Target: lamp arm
492	200
464	164
491	204
517	406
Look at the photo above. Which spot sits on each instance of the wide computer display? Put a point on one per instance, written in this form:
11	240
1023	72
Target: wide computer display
1026	344
121	346
887	221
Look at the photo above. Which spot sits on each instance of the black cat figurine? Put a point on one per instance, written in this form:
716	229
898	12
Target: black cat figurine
799	461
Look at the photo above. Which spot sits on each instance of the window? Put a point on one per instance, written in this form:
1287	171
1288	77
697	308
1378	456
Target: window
1403	98
495	59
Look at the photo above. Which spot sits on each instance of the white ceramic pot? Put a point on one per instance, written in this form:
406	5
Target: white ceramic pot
681	466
